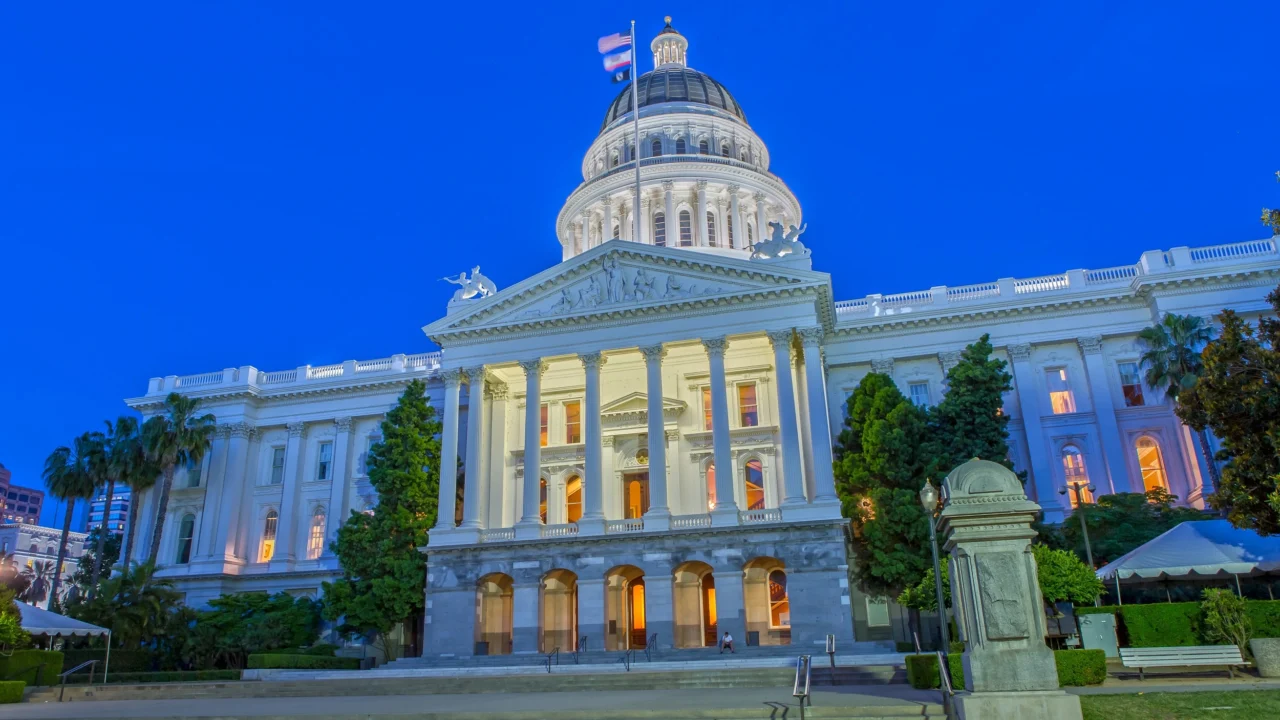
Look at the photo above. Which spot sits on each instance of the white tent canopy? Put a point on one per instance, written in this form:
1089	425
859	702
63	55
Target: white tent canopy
43	622
1199	547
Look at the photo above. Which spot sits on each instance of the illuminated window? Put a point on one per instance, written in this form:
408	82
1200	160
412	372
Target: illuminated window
1077	475
711	230
1152	463
325	463
269	537
1060	397
542	500
277	465
660	229
686	228
711	486
706	408
748	415
315	540
186	530
919	393
754	477
573	422
655	148
779	605
681	147
573	499
542	434
1131	384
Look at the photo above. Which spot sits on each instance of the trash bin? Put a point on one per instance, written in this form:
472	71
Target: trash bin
1098	632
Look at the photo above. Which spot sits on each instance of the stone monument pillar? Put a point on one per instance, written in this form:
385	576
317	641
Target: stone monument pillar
986	527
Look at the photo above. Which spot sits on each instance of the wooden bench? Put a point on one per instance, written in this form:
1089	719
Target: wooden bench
1142	658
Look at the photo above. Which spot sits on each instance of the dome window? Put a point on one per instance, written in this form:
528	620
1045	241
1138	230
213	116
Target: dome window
660	229
686	229
711	229
704	148
724	149
655	148
681	148
614	161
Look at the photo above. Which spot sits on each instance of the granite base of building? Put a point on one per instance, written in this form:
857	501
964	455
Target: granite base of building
1038	704
771	584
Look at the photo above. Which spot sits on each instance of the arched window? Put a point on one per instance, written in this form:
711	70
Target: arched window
750	235
1151	461
728	226
269	537
704	148
681	147
660	229
779	605
711	229
631	152
754	477
186	531
315	540
686	229
542	500
573	499
35	547
742	155
711	486
613	161
617	228
1077	475
724	149
655	148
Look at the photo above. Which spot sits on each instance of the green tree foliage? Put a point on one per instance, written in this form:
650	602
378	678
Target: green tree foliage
12	636
69	473
178	438
383	572
121	449
1062	575
1238	397
880	466
109	541
1118	523
1173	362
245	623
137	606
923	595
1224	619
969	423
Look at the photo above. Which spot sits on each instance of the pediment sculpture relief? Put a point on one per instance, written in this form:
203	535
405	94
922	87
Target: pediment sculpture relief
617	285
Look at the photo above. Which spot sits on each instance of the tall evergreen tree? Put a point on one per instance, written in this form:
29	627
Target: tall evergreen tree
1173	362
880	466
969	422
383	573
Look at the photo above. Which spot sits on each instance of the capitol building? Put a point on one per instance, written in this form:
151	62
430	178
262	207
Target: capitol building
644	430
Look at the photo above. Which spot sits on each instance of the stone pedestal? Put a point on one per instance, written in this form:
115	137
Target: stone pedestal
986	528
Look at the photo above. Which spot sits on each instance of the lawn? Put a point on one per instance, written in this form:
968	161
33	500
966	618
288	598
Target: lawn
1241	705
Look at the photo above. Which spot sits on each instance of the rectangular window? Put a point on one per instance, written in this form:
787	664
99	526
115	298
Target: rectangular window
686	229
573	422
706	408
919	393
325	463
193	474
1060	397
747	409
543	437
1131	384
277	465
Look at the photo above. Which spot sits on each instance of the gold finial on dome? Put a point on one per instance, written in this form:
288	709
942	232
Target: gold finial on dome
666	19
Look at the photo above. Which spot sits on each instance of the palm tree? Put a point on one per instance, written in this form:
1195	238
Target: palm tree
134	604
1173	363
70	475
180	437
42	581
123	452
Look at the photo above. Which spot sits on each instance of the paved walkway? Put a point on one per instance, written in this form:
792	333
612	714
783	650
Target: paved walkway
663	703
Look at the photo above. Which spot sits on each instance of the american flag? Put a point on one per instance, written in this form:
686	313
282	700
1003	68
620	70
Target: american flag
612	42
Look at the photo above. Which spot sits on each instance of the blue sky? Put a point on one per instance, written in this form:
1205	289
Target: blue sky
191	186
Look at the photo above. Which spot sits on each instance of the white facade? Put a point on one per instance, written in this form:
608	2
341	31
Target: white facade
30	544
737	364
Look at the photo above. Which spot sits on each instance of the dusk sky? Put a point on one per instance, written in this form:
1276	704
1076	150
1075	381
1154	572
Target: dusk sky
191	186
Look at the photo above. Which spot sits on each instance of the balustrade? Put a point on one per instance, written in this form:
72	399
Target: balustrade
755	517
411	363
629	525
679	522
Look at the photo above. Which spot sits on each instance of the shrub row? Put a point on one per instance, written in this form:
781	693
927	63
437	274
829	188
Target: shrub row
122	660
132	678
1075	668
11	691
268	661
1178	624
24	665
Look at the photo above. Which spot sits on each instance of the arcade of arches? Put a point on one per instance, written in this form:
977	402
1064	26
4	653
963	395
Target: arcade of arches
690	591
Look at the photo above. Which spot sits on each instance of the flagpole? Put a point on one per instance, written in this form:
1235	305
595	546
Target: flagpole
635	110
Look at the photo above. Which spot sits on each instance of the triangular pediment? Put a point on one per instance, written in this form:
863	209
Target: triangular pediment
621	278
639	402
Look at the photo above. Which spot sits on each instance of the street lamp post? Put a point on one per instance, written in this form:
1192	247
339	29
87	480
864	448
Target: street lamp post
929	501
1078	490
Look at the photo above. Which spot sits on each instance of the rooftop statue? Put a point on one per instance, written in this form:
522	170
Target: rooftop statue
780	245
475	286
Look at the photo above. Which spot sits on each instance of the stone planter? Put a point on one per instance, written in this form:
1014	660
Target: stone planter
1266	656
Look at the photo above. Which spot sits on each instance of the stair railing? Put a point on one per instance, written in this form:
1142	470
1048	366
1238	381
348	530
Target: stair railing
627	658
650	647
91	664
553	654
579	647
803	669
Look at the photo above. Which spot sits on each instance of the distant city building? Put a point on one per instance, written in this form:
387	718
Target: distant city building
116	516
21	504
29	544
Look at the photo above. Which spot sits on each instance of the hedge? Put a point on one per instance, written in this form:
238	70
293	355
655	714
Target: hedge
122	660
266	661
922	671
1080	667
1178	624
138	678
11	691
23	664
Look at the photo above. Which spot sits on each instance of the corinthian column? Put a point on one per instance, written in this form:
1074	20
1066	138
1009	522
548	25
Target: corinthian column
659	515
735	217
446	503
792	477
592	521
726	510
530	521
700	223
762	229
473	492
819	418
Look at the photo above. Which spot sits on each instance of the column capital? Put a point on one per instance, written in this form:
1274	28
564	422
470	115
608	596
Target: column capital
607	441
592	360
474	373
668	185
296	429
241	430
343	424
1090	344
733	189
644	202
530	367
495	390
716	345
452	377
882	365
758	196
702	185
811	337
223	431
780	336
1019	351
653	353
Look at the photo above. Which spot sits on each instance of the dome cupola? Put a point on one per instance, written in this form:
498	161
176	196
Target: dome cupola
670	47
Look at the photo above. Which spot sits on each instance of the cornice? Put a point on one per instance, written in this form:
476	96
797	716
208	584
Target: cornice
259	395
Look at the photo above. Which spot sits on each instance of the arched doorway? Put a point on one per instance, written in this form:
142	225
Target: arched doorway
559	611
494	614
625	608
693	588
767	605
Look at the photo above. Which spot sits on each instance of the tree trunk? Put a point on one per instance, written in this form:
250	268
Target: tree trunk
102	538
1205	450
128	532
62	553
162	507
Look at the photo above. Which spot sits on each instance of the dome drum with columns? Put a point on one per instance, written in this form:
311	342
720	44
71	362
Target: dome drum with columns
704	173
